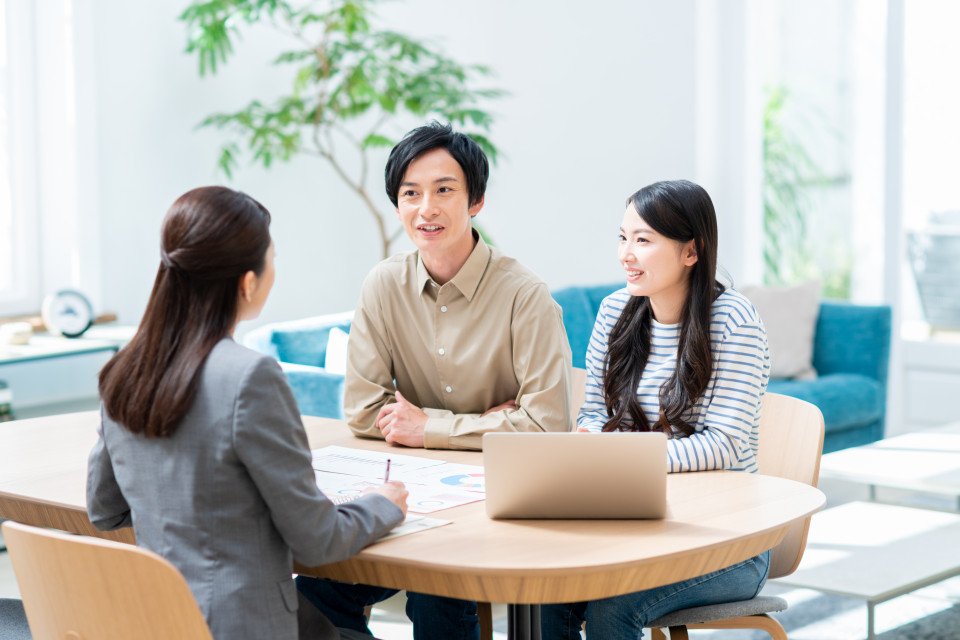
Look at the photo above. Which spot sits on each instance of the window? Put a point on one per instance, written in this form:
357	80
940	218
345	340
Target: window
41	233
19	263
930	275
823	132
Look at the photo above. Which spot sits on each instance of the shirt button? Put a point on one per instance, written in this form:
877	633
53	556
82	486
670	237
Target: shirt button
449	388
443	309
441	351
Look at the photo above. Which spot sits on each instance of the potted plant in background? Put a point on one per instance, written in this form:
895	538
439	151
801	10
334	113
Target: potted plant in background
352	78
790	178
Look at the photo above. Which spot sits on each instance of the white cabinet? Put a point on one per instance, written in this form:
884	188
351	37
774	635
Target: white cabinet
52	370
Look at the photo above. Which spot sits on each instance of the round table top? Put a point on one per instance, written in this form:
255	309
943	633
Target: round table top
714	519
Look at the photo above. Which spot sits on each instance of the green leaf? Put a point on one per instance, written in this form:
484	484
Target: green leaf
488	147
293	56
228	158
376	140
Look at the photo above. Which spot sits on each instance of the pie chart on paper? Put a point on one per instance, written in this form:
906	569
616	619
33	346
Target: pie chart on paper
465	481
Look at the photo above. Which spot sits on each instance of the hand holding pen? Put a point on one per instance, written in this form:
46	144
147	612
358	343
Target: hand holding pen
395	492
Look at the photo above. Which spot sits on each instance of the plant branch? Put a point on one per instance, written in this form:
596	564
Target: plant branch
348	72
396	234
377	216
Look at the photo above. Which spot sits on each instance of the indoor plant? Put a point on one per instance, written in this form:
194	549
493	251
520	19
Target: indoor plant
790	178
351	79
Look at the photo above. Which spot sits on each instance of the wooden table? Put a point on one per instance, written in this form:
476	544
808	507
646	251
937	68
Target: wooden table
714	520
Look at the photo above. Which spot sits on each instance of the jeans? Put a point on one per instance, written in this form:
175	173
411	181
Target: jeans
624	617
433	617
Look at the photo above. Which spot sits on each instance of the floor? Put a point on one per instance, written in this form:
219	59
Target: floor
928	614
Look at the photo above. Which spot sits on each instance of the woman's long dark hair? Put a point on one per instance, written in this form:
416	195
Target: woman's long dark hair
682	211
211	237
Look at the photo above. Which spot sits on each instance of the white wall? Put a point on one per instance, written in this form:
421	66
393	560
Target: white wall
602	101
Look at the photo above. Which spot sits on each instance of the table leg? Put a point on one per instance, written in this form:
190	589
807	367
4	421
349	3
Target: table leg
870	621
523	622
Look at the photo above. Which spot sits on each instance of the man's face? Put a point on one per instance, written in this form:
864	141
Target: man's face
434	206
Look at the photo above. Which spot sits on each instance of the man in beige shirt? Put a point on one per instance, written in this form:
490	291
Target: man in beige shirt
447	343
455	339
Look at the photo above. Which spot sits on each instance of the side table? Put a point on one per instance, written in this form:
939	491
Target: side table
876	552
926	461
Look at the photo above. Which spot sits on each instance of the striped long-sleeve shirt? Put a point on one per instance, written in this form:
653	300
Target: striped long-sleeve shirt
727	415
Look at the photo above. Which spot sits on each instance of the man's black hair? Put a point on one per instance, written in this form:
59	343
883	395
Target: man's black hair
463	148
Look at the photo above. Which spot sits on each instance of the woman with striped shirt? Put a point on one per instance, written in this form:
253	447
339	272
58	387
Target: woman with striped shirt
676	352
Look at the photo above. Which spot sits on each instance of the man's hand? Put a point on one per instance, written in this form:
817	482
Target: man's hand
402	423
509	404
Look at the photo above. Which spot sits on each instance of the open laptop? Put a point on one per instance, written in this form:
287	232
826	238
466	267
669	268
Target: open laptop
575	475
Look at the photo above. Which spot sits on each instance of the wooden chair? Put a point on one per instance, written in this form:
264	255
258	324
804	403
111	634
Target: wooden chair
81	588
791	442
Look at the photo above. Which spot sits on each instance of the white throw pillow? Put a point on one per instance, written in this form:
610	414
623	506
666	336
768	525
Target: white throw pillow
336	358
790	317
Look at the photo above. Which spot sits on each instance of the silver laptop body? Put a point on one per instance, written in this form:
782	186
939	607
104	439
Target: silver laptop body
575	475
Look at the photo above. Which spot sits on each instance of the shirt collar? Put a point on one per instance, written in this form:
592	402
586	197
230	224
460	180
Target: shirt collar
468	278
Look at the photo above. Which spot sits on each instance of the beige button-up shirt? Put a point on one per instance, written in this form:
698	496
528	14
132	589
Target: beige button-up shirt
491	334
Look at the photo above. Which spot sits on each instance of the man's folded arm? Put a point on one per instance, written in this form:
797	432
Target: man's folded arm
542	364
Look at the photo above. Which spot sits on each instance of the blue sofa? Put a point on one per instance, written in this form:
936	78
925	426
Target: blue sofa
301	348
851	355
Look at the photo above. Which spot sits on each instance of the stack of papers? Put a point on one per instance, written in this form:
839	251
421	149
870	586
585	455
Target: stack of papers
433	484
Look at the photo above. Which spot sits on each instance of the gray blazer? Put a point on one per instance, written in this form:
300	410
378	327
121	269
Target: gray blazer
231	498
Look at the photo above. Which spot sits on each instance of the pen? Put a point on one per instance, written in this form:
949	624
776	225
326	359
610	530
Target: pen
386	476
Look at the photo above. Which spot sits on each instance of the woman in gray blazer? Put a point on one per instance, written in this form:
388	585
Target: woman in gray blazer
201	446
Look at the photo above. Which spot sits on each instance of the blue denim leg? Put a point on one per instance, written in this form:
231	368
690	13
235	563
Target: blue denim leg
342	603
562	621
439	618
624	617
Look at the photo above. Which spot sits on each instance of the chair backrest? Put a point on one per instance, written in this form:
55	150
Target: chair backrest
791	442
82	588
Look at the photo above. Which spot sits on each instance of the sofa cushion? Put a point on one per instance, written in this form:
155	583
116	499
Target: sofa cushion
847	400
335	360
304	345
789	315
318	393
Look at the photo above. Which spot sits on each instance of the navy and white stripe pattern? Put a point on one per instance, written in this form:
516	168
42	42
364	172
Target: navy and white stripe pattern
727	416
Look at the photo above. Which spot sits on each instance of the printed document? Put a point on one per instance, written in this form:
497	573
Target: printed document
433	484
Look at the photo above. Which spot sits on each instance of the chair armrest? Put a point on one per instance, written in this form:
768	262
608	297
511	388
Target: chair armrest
853	338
